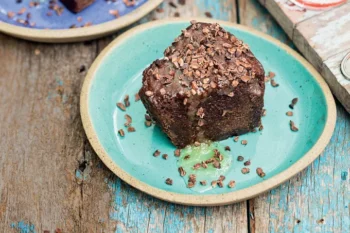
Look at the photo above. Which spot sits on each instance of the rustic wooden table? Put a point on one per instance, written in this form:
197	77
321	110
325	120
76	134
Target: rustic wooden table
52	181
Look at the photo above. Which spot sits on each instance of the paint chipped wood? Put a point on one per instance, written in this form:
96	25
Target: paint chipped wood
319	35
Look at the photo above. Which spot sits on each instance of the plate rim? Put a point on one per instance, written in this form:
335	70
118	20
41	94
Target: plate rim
79	34
212	199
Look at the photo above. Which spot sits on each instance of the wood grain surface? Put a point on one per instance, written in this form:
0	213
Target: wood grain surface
319	36
51	180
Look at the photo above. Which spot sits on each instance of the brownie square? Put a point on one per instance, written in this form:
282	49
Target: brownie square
209	86
77	5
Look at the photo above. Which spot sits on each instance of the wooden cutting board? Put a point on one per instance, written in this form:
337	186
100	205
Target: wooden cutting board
323	37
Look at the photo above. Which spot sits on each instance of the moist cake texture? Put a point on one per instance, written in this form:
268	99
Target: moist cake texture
209	86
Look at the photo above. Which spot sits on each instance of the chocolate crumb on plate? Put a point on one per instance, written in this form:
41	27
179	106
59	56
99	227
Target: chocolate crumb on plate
289	113
126	101
264	112
191	181
204	165
271	74
227	148
137	97
131	129
294	102
261	127
148	118
236	139
231	184
121	106
247	163
293	127
260	172
203	182
222	178
214	183
177	152
182	171
169	181
128	120
165	156
156	153
186	157
240	158
245	170
220	184
273	83
121	132
197	166
217	164
244	142
148	123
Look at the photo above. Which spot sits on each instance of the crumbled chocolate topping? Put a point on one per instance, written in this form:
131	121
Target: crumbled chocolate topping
182	171
231	184
260	172
202	59
169	181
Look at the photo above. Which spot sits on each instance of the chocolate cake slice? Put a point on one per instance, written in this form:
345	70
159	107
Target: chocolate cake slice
209	86
77	5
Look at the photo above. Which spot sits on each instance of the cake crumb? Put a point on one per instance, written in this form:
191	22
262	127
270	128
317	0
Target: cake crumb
236	139
165	156
203	182
121	132
214	183
261	127
244	142
169	181
186	157
222	178
245	170
260	172
220	184
227	148
293	127
137	97
126	101
131	129
197	166
273	83
177	152
247	163
231	184
148	123
156	153
271	74
294	102
121	106
240	158
289	113
182	172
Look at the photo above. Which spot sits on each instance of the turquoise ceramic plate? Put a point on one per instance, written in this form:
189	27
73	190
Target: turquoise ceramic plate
279	151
